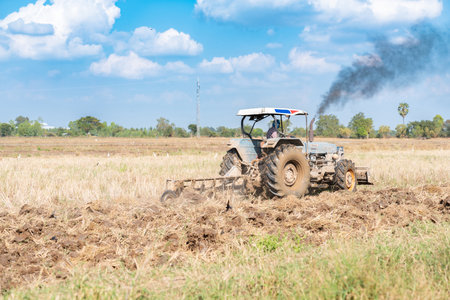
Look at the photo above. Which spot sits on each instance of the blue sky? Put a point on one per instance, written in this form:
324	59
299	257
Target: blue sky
131	61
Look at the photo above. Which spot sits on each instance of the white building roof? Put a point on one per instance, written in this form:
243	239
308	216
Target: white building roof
46	126
271	111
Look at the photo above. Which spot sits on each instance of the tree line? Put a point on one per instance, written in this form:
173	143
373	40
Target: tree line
362	127
359	126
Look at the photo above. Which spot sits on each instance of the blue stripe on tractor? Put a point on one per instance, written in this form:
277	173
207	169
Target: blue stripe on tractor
282	111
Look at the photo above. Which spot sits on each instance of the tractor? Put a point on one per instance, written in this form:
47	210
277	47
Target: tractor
279	164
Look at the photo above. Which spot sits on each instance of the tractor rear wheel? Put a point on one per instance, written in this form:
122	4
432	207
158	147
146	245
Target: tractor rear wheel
285	172
345	175
230	160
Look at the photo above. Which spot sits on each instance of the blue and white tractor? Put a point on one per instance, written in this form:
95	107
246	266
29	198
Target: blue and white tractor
277	165
281	164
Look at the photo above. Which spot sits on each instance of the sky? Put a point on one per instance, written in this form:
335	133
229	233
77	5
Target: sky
133	61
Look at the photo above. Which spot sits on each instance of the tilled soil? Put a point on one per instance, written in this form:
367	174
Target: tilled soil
37	243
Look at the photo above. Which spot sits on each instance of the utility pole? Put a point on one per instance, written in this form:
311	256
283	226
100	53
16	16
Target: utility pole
198	107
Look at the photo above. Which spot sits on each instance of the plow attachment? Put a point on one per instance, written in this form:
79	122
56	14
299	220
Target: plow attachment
363	176
174	188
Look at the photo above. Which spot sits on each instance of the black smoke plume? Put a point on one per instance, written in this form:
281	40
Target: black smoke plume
391	64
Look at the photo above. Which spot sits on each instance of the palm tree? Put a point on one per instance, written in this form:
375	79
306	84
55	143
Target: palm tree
403	109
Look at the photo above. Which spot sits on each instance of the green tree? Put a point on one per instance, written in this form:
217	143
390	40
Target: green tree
361	125
446	131
224	131
5	129
424	128
180	132
400	131
345	132
192	129
87	125
438	123
257	132
327	125
299	132
403	109
21	119
164	128
25	129
384	131
207	131
73	129
36	129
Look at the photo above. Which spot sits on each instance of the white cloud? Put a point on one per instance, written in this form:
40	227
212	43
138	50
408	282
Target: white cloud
19	27
363	11
404	10
254	62
132	66
231	10
58	29
382	11
178	67
65	29
308	62
216	65
146	41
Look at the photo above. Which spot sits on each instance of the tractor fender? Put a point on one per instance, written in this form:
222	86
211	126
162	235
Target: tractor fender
247	149
276	142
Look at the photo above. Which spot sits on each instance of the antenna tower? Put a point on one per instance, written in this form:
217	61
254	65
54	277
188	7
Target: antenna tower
198	107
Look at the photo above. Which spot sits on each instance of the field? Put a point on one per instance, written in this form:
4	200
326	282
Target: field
81	217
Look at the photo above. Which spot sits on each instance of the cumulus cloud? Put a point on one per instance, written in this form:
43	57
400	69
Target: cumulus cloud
308	62
146	41
382	11
254	62
19	27
58	29
132	66
65	29
216	65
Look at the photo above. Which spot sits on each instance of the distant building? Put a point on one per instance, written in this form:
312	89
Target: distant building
46	126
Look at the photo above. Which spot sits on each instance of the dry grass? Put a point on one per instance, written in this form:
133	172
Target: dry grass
81	179
94	146
90	212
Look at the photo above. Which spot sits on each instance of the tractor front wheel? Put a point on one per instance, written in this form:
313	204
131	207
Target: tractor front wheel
345	175
230	160
285	172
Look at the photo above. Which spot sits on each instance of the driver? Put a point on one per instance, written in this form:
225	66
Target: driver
272	133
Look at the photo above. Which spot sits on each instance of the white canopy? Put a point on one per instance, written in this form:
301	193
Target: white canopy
271	111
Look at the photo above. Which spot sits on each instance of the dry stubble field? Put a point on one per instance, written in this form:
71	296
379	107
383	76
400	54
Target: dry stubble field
80	217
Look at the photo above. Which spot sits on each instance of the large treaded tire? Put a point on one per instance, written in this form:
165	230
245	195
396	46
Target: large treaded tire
230	159
345	175
285	172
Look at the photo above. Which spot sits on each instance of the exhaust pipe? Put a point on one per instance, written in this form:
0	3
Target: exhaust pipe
311	130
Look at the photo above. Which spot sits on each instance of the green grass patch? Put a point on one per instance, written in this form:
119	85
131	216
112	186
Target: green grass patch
405	263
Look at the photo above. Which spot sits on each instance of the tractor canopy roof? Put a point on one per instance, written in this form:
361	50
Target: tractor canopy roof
270	111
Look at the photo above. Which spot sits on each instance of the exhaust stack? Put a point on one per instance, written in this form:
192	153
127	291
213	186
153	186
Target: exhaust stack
311	130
